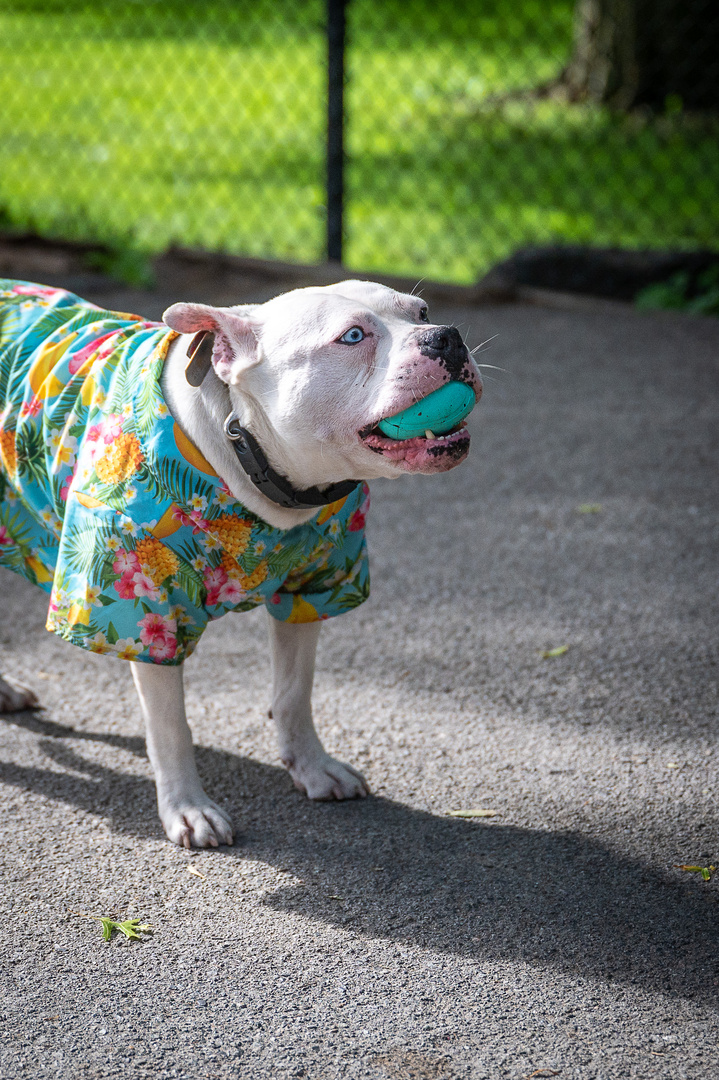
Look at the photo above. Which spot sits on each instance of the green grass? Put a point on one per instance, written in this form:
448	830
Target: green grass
202	123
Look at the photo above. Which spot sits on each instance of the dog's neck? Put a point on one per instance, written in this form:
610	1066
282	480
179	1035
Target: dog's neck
201	412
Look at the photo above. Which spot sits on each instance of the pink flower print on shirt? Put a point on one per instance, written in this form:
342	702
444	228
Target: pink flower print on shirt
31	407
158	631
193	520
93	444
145	586
78	359
214	580
126	562
232	592
356	522
5	537
111	427
199	524
65	486
155	627
180	515
163	647
125	587
36	290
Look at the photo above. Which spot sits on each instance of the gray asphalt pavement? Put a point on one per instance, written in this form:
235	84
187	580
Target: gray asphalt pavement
385	939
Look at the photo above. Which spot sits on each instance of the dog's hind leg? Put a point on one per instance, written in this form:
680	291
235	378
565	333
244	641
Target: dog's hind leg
312	769
188	816
14	697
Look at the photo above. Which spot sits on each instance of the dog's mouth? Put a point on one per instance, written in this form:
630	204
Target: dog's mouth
424	453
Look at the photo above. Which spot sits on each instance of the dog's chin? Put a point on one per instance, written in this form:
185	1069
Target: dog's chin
422	454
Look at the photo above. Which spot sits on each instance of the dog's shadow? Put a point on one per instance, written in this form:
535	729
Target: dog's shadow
483	890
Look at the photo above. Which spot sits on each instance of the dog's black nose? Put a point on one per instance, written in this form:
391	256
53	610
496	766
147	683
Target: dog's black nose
444	343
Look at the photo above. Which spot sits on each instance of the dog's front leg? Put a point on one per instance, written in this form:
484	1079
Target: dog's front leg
188	816
312	769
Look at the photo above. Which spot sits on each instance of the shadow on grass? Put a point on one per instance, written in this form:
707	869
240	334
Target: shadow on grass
559	901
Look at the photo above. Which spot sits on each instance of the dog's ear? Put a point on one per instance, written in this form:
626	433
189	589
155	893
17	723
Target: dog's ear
236	347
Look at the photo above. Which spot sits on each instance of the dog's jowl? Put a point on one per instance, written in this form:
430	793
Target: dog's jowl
158	475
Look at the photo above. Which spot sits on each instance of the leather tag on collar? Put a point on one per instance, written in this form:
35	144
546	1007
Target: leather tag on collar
200	354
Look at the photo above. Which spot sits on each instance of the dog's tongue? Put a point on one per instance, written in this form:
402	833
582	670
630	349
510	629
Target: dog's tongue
437	413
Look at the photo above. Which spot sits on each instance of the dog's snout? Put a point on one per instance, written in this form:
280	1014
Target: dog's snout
444	343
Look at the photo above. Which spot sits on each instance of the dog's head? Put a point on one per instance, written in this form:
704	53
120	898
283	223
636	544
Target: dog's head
313	371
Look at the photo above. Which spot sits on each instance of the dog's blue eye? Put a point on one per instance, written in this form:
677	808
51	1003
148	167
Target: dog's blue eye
353	336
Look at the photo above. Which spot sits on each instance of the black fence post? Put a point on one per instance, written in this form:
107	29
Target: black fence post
335	126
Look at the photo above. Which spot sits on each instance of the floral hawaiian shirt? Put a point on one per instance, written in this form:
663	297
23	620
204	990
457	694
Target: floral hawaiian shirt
108	506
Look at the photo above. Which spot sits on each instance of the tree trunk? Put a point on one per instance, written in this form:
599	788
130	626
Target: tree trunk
656	53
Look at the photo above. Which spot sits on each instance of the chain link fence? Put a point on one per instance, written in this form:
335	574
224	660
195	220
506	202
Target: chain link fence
470	129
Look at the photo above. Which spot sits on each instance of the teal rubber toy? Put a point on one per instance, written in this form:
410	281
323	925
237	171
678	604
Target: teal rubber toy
439	412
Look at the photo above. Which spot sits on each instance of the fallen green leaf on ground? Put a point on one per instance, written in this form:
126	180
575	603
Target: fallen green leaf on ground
705	871
472	813
547	654
589	508
129	927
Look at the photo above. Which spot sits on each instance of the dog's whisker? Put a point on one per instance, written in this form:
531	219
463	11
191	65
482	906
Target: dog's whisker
482	344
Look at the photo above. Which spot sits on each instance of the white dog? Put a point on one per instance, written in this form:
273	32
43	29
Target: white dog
277	406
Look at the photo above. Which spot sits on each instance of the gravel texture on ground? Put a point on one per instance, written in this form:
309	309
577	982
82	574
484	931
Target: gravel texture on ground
385	939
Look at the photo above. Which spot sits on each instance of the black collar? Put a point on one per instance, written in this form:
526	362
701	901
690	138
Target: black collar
273	486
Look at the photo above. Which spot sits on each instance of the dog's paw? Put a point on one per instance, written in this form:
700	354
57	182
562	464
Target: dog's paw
322	777
195	821
14	697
